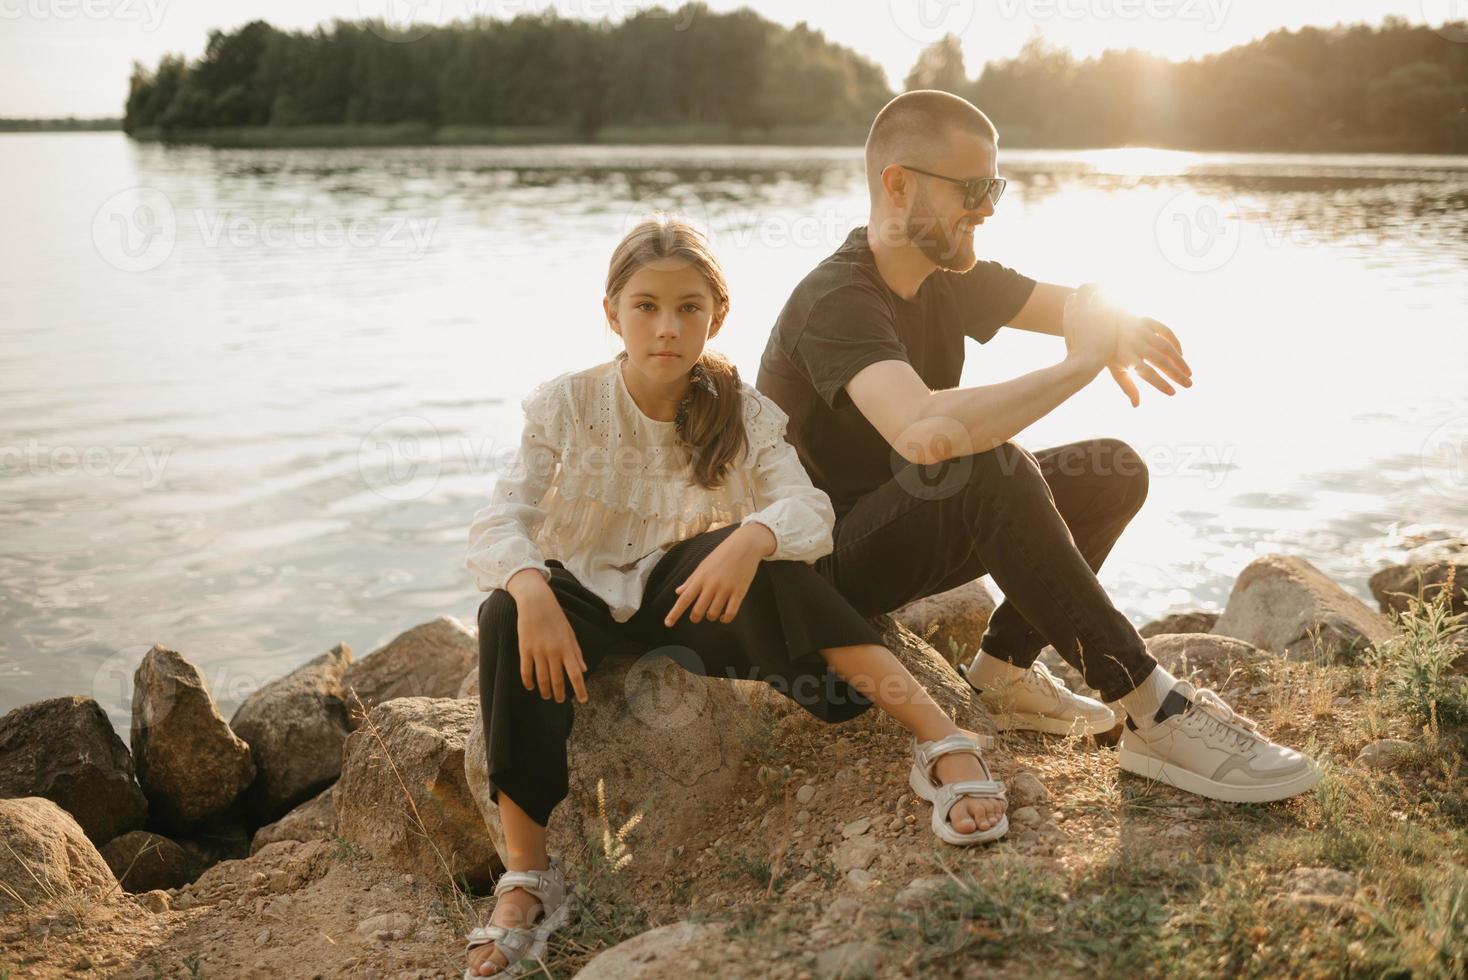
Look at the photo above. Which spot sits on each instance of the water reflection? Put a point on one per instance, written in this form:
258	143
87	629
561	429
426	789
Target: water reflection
301	405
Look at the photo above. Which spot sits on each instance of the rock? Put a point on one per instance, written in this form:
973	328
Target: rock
662	952
469	687
296	726
1280	602
952	622
664	745
1026	815
1025	789
855	958
1385	753
427	661
860	879
45	855
189	763
857	827
1196	621
313	820
858	852
1178	832
805	794
919	890
1424	575
66	750
1203	658
387	927
1320	890
144	862
412	749
156	901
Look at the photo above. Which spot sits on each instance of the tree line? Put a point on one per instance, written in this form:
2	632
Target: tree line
1396	86
1357	87
654	68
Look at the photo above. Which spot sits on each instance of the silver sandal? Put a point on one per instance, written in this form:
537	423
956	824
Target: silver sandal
924	755
526	942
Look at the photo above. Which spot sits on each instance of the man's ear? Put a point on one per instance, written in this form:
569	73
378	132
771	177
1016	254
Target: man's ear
897	182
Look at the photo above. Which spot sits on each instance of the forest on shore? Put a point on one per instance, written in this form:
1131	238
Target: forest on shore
693	74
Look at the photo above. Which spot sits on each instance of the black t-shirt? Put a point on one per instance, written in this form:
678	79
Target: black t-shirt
841	318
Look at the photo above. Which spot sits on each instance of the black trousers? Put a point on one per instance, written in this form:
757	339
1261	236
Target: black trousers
1040	523
789	614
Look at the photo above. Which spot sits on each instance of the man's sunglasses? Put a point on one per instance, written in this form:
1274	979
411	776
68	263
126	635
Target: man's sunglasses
975	190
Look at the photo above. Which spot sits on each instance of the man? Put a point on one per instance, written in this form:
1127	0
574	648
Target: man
929	490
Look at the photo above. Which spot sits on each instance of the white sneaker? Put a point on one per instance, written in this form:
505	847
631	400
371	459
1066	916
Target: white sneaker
1040	702
1205	747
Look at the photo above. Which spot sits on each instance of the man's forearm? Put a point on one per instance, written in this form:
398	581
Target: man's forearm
961	421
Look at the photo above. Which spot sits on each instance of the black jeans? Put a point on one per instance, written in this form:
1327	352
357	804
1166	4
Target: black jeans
1040	523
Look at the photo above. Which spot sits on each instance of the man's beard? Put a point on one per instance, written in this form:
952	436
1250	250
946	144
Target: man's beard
946	248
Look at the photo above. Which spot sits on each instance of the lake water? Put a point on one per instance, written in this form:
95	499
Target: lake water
252	398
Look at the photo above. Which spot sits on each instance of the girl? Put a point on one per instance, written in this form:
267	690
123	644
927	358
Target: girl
655	502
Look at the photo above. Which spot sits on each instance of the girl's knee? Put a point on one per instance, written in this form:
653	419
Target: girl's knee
496	612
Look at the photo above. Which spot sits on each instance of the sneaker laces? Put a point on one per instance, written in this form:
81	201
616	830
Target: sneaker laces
1046	678
1209	706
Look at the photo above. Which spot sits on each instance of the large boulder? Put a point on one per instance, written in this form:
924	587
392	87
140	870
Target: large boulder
296	726
66	750
1425	573
313	820
143	861
654	740
189	763
404	796
428	661
952	622
45	855
666	749
1281	603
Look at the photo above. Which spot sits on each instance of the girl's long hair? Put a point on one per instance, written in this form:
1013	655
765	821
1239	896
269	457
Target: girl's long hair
713	428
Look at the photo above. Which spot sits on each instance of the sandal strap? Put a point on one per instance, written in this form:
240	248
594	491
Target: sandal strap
982	788
546	884
512	942
930	752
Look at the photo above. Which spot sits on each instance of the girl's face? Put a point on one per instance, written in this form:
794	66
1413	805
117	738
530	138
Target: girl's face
664	316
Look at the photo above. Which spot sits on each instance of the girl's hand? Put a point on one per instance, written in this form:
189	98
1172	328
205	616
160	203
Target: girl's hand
549	652
720	582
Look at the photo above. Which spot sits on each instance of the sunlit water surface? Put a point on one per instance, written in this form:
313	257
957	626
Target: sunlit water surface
252	398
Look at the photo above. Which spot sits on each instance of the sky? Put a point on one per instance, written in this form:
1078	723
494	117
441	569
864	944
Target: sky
73	57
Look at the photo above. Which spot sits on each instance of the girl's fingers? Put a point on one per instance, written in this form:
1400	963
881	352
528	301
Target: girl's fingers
527	672
542	676
701	607
578	683
732	610
685	598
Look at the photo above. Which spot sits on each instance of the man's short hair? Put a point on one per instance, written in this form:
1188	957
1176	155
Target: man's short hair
913	129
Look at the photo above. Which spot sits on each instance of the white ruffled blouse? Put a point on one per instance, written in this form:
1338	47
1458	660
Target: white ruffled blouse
607	491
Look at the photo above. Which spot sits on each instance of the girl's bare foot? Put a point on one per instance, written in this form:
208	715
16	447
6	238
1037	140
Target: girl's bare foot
514	909
967	815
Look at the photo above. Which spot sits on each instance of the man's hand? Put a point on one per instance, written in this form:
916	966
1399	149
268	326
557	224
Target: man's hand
1147	345
720	582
